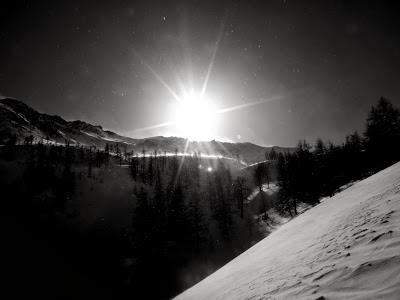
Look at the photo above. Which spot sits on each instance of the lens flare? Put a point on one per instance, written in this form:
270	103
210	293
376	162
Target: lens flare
195	117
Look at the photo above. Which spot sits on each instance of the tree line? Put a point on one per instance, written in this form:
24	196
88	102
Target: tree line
189	213
319	170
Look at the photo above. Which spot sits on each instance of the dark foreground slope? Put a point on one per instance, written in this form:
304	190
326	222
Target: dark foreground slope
348	247
82	224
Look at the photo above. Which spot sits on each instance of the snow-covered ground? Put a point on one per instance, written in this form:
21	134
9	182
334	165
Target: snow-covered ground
348	247
269	189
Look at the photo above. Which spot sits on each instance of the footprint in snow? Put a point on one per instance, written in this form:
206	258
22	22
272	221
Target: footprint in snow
380	235
323	275
360	231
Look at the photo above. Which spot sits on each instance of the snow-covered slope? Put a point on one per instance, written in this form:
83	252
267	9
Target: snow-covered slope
348	247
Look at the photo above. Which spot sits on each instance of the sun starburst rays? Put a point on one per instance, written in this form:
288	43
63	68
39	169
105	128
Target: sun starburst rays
194	115
181	163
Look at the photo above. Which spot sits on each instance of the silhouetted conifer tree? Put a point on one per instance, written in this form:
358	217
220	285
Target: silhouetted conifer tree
383	134
240	191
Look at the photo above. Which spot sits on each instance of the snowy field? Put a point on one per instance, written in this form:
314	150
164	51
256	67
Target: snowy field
348	247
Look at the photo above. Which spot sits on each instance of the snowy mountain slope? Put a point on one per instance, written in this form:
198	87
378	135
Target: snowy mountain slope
348	247
19	120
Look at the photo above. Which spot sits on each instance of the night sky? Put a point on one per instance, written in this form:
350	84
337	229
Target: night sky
315	68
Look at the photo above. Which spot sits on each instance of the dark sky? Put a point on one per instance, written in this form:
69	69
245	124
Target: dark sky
323	63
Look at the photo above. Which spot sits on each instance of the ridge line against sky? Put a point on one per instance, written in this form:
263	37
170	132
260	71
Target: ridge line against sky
76	60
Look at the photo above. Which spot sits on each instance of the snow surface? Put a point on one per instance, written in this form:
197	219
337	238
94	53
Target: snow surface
14	112
96	136
348	247
269	189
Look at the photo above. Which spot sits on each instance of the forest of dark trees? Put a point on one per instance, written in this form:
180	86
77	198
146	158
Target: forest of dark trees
187	216
319	170
182	216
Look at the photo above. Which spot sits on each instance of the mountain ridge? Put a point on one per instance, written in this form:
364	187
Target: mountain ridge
20	121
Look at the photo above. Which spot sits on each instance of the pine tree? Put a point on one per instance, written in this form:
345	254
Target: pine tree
142	224
383	133
177	215
260	175
198	229
240	191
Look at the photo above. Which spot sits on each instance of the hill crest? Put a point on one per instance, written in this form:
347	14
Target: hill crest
18	121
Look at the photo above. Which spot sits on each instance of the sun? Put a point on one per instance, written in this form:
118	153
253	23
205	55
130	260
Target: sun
195	117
